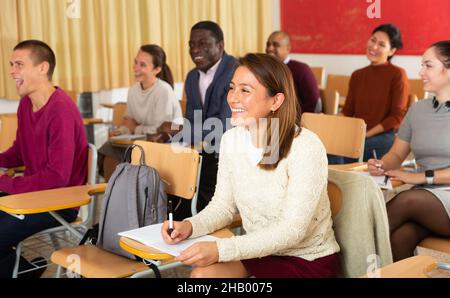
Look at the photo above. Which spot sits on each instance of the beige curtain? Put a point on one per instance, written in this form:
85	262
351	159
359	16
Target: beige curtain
95	41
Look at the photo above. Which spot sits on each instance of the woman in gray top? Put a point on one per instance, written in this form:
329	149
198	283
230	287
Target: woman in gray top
424	209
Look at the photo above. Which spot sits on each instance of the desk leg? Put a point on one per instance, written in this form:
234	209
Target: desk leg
66	224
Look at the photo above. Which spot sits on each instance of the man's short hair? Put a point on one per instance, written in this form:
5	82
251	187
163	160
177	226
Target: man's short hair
40	52
214	28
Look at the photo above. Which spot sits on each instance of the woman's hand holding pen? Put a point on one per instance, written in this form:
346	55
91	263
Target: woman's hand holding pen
201	254
182	230
375	167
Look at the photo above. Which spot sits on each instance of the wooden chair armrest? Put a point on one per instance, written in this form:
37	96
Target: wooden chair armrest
98	188
87	121
14	171
107	105
141	250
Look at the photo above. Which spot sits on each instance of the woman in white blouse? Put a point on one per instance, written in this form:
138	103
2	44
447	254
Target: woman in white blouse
152	106
275	177
152	100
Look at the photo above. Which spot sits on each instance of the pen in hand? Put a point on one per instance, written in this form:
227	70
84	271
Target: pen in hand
170	230
386	177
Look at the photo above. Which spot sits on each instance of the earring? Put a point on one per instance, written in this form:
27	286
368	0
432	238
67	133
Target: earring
273	112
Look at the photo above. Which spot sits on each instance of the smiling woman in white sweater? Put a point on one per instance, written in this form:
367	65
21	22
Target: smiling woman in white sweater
275	177
152	106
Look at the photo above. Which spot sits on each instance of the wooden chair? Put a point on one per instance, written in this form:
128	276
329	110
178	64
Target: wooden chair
412	99
338	83
342	136
416	87
8	128
352	197
118	113
319	74
436	243
413	267
330	101
180	168
83	222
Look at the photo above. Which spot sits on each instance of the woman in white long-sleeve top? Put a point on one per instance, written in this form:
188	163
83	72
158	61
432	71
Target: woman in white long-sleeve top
152	106
275	176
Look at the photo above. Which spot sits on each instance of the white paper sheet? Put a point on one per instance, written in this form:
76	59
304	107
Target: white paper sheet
151	236
378	179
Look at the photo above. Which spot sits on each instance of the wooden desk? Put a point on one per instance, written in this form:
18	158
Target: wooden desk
121	143
107	105
413	267
145	252
49	201
87	121
124	142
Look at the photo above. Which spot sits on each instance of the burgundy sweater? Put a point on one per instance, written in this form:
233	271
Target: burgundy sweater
305	85
379	95
52	145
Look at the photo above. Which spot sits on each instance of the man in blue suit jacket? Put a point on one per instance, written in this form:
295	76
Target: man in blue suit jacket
206	88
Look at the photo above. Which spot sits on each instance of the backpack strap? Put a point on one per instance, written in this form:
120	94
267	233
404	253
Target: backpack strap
129	151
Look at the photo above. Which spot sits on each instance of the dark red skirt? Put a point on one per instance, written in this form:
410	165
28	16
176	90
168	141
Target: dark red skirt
293	267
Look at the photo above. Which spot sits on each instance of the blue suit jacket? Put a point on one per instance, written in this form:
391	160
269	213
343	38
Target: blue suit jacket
215	105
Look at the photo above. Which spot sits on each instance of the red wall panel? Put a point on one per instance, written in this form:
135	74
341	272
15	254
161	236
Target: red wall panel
343	27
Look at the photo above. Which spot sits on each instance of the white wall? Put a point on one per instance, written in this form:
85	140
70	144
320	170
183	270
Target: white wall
8	106
346	64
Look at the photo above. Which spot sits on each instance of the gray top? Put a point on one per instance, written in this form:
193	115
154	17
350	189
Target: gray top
427	129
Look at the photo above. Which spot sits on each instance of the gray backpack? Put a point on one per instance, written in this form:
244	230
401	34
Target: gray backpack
135	197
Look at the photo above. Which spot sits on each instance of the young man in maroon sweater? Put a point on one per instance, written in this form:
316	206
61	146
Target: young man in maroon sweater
50	142
279	45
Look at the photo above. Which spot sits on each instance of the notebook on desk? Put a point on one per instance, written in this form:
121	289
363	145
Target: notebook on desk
379	180
151	236
128	137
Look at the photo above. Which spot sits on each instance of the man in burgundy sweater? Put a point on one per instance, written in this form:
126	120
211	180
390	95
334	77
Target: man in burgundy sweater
279	45
50	142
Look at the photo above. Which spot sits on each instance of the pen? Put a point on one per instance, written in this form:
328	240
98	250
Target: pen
170	230
386	177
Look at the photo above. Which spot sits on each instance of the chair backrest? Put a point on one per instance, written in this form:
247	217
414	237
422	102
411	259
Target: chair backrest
319	74
87	212
412	99
360	222
330	101
416	87
179	167
343	136
118	113
335	196
338	83
8	128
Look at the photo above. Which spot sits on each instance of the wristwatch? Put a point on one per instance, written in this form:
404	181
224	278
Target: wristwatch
429	176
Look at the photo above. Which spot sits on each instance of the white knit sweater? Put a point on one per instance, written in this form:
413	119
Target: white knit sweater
285	211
